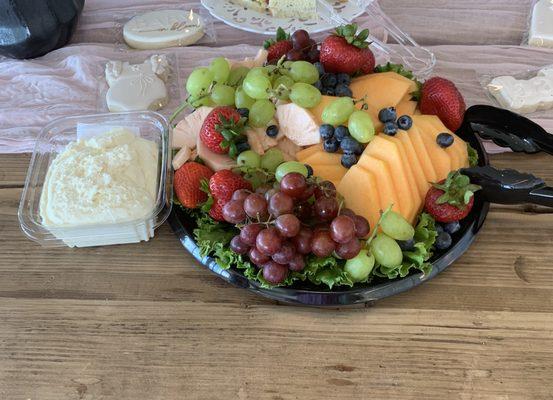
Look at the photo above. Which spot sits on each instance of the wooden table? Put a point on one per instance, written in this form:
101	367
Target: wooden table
147	322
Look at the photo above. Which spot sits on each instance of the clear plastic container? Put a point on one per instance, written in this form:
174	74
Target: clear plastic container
53	139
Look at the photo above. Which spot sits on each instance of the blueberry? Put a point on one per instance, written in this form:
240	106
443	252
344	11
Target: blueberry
443	241
329	80
320	68
439	228
387	114
340	132
326	131
406	245
405	122
444	139
309	170
331	145
272	131
343	91
244	112
343	79
349	160
452	227
349	145
328	91
242	146
318	85
390	128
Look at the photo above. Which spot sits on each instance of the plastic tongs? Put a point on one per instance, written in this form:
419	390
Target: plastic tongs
416	58
509	130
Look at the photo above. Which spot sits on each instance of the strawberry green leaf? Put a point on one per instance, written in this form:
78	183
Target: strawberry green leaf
457	190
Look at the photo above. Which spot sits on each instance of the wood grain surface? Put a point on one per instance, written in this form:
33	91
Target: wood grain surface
147	322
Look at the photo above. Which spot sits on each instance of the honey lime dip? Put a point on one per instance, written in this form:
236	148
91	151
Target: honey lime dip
109	178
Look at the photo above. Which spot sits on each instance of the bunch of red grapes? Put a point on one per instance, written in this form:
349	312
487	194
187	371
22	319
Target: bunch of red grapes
304	48
281	225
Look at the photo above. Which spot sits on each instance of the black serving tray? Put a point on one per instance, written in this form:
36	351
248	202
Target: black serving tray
508	130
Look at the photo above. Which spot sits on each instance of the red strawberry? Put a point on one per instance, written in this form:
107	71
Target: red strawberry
452	199
441	97
187	183
222	185
279	46
347	52
222	127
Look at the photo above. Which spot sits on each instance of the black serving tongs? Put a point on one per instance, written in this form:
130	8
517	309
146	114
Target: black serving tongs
507	129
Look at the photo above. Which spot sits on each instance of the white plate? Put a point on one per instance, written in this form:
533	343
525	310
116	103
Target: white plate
264	23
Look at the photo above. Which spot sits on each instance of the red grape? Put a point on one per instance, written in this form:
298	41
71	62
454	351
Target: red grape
288	225
304	211
274	273
300	39
257	257
238	246
294	55
302	241
326	208
233	212
255	206
240	194
314	55
342	229
307	193
325	188
262	189
293	184
297	263
248	233
349	250
280	203
269	193
285	254
322	244
362	227
348	212
268	241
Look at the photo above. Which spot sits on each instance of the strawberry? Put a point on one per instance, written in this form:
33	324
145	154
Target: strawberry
441	97
187	183
452	199
222	185
279	46
221	129
347	52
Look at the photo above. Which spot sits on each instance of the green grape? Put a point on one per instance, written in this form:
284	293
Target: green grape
237	75
305	95
259	71
386	251
282	86
249	158
222	95
338	112
203	101
288	167
261	112
257	86
361	127
199	81
359	267
397	227
242	100
272	159
220	68
303	71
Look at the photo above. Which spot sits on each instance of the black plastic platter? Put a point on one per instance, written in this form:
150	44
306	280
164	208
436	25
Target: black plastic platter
307	294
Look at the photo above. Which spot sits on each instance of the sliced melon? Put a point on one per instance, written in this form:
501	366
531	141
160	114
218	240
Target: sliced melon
386	190
323	158
413	137
364	202
302	154
440	159
333	173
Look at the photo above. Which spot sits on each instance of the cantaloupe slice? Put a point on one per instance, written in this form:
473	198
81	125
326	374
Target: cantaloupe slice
459	147
413	137
333	173
323	158
385	187
440	159
406	107
363	202
410	168
406	189
302	154
422	183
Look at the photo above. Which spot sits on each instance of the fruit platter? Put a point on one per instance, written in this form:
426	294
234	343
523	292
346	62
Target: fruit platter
312	175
